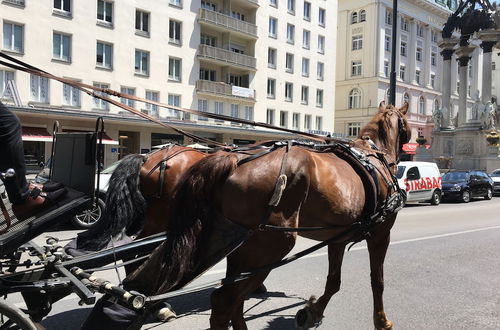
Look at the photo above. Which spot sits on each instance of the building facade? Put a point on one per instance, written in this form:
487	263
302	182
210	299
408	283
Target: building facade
255	59
363	69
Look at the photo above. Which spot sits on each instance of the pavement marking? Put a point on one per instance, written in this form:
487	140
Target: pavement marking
363	247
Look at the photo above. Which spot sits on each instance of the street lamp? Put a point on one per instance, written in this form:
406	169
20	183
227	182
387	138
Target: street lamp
392	84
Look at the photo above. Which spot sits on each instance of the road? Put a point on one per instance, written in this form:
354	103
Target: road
441	272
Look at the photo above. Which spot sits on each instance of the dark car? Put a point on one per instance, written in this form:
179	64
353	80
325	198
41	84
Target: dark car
465	185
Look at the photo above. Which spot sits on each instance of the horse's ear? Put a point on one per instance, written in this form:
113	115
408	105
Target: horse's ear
381	106
404	108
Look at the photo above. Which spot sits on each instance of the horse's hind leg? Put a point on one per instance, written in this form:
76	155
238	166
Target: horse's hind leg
313	312
377	248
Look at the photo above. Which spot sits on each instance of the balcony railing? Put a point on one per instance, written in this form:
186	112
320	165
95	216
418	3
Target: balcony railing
226	56
218	19
223	89
417	117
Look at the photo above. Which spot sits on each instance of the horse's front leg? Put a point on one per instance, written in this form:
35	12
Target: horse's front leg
377	248
313	312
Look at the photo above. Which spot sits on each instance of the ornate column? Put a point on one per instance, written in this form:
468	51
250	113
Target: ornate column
489	39
463	54
447	45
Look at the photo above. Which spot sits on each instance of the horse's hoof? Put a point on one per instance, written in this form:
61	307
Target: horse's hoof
386	326
304	319
166	313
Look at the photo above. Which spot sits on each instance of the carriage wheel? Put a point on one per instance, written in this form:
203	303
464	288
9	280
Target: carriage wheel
12	318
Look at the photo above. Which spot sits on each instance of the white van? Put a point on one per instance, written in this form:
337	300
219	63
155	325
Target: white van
421	181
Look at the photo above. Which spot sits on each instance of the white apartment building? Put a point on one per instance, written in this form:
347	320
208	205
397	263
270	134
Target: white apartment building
363	67
264	60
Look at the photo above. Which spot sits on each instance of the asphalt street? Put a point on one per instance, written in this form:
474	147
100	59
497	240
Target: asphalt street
441	272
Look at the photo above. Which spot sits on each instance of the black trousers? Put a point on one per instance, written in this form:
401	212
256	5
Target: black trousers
12	155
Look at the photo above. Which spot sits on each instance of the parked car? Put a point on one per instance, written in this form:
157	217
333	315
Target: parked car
495	176
89	217
421	181
465	185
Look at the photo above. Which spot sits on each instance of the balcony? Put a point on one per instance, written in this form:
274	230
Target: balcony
226	22
225	90
418	118
223	56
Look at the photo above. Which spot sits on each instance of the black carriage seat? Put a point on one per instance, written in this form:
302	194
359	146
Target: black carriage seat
74	165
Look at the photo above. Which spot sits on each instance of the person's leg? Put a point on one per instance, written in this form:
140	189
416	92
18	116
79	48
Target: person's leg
12	155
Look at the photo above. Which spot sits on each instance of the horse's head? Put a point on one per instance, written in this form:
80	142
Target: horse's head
393	127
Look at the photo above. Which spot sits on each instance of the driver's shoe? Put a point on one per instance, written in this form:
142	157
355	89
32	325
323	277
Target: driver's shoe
36	202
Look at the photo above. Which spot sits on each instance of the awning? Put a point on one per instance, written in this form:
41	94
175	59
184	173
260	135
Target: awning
411	148
38	134
105	137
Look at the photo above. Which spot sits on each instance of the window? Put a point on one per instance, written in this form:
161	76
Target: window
208	5
307	11
307	122
208	40
174	32
152	108
404	24
433	80
320	68
202	106
142	22
273	3
105	12
321	44
283	118
271	88
458	87
319	98
235	110
61	47
290	33
270	116
129	91
406	98
419	53
71	95
354	17
104	55
237	15
321	16
469	69
306	39
387	40
5	76
141	62
289	62
273	27
63	5
402	72
305	67
362	16
291	6
13	37
304	95
420	30
404	47
356	68
353	129
219	108
388	17
176	3
271	58
288	91
296	121
174	100
421	105
319	123
434	36
433	58
39	89
174	69
98	103
354	99
248	112
386	68
417	76
357	42
206	74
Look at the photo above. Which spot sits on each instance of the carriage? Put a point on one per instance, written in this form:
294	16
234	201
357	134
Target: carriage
338	192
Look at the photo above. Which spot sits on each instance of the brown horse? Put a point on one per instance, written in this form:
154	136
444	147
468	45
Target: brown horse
319	188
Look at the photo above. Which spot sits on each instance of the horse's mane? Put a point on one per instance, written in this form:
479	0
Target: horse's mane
377	128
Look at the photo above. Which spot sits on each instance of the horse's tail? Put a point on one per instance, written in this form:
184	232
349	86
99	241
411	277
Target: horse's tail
195	209
125	206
